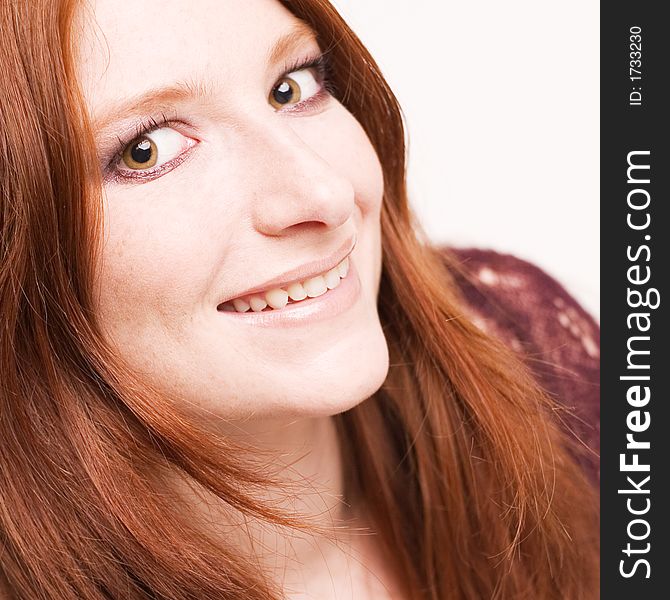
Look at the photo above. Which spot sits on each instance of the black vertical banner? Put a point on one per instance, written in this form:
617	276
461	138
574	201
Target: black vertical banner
635	338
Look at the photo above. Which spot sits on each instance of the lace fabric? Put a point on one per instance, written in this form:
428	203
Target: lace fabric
534	315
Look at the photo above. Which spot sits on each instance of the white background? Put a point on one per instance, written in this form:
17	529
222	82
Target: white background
501	100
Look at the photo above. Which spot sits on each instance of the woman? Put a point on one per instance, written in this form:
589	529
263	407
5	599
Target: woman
230	366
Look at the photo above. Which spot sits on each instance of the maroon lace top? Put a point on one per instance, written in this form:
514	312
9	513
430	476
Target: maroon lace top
533	314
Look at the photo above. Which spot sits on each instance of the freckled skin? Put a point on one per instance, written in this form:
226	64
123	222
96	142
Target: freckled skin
262	191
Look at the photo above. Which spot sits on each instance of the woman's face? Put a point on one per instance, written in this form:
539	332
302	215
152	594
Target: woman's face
250	186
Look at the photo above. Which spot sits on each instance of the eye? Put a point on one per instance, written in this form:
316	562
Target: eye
294	88
154	149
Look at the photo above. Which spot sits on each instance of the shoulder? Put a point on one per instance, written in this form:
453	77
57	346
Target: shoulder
532	313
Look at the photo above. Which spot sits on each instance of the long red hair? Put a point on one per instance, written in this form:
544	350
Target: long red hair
471	485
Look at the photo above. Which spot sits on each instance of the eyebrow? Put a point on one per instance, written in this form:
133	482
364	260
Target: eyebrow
165	97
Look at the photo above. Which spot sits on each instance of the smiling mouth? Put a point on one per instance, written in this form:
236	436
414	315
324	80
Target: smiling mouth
291	293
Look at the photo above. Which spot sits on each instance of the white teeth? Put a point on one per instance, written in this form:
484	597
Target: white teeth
297	292
332	278
240	305
277	298
343	267
257	303
315	286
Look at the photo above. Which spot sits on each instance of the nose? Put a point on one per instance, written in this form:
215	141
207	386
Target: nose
295	187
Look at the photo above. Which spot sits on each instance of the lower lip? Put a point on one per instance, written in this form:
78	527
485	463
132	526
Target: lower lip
327	305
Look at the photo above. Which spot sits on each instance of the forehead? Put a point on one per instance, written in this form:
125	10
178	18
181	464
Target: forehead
132	46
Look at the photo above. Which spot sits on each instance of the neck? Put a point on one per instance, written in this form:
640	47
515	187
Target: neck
307	458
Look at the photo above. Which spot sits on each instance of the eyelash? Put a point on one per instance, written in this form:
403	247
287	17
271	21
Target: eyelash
320	63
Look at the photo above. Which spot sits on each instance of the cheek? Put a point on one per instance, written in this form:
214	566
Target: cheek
346	147
147	275
343	143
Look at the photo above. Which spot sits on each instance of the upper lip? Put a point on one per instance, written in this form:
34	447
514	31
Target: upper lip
302	272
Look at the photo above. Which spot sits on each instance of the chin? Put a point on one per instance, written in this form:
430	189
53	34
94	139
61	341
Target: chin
329	383
355	378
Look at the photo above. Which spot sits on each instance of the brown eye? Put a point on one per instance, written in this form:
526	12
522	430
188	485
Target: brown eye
300	86
153	150
286	92
140	154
